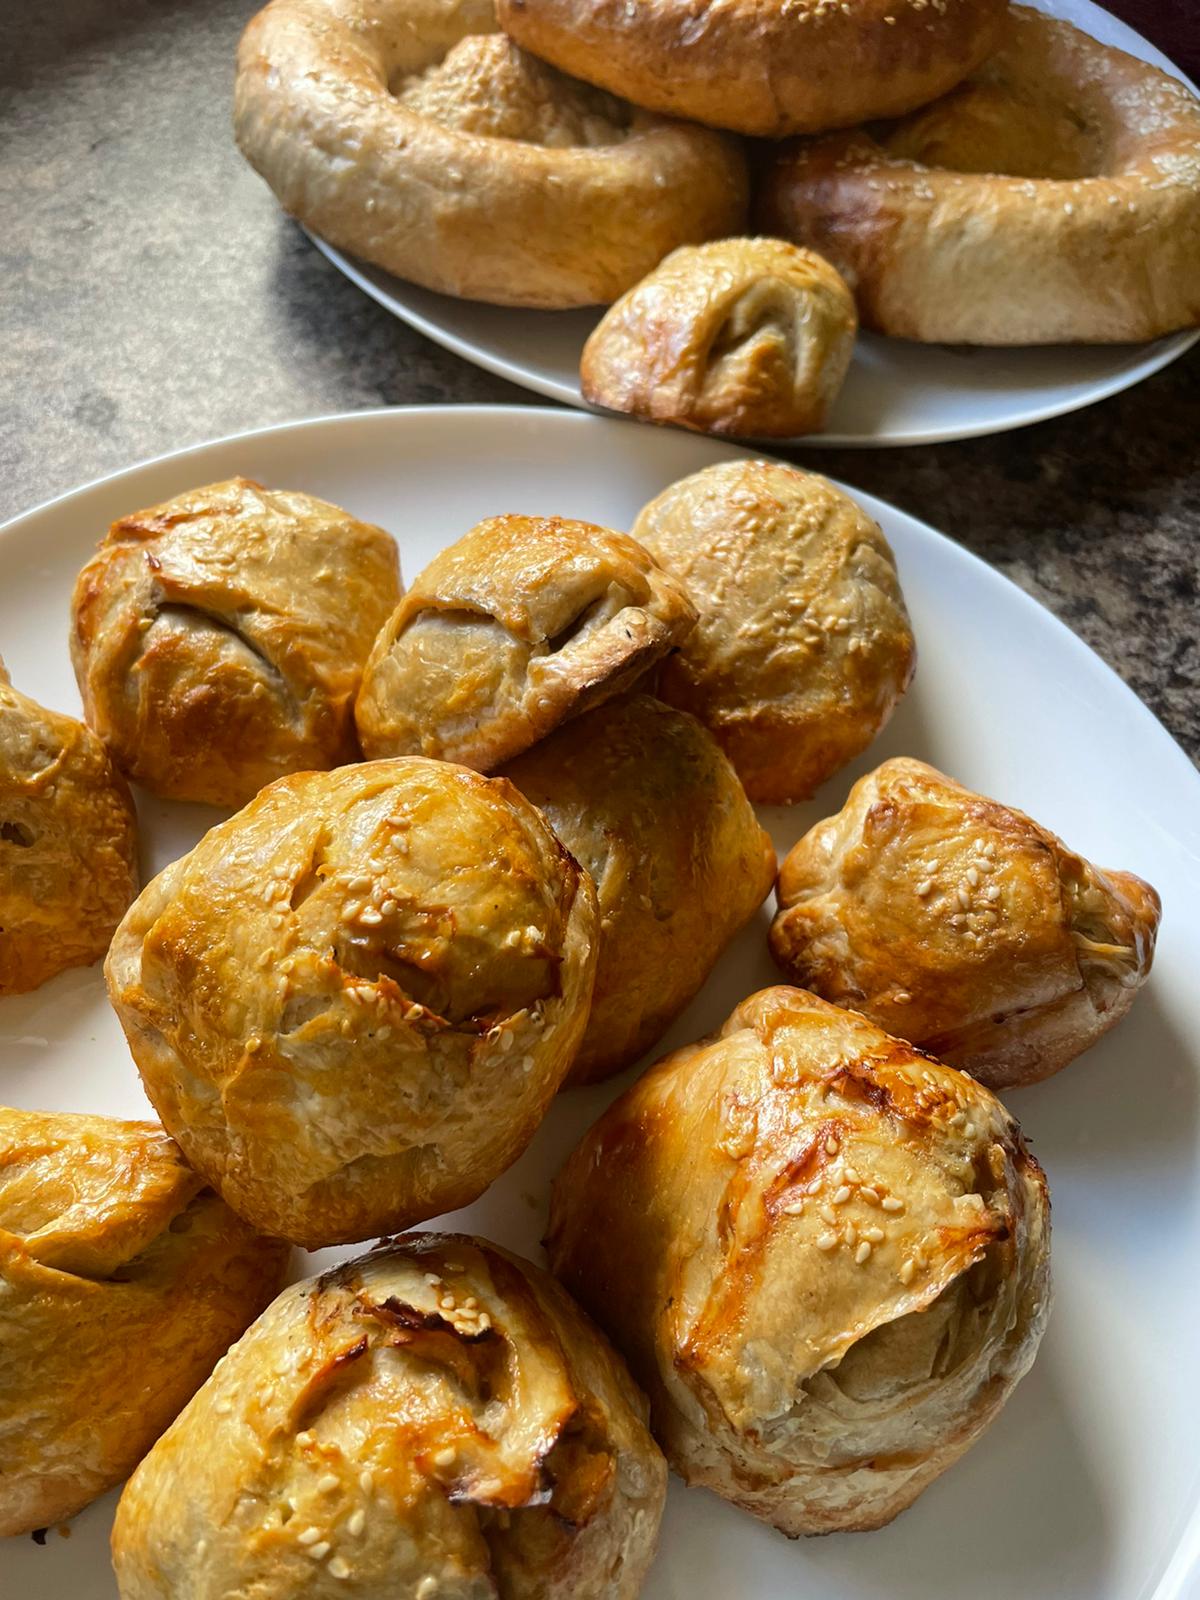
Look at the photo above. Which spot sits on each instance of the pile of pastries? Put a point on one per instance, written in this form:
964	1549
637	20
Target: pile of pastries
495	830
968	173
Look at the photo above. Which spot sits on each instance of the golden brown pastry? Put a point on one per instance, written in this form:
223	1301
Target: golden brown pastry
747	337
759	68
122	1280
825	1257
68	843
415	135
522	623
219	638
962	925
803	646
434	1419
643	798
1053	198
353	1002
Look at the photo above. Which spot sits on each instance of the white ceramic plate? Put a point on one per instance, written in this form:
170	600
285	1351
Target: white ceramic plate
896	393
1087	1486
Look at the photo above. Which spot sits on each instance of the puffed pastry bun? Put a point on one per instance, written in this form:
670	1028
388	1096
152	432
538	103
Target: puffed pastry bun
414	134
218	638
68	843
353	1002
643	798
435	1421
962	925
746	337
122	1280
803	646
522	623
825	1257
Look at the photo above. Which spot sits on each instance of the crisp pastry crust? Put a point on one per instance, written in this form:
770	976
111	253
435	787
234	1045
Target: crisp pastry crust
643	798
962	925
68	843
804	645
522	623
825	1257
353	1002
1053	198
435	1418
219	638
747	337
415	135
122	1280
759	67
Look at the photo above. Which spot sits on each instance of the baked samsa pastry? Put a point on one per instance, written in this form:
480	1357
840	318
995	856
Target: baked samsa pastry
522	623
68	843
746	337
219	638
825	1257
642	797
963	926
435	1418
353	1002
803	646
123	1279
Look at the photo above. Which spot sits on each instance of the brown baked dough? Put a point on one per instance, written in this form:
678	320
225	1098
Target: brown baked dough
122	1280
803	646
522	623
219	638
1054	198
824	1256
353	1002
760	67
643	798
962	925
415	135
746	337
435	1418
68	843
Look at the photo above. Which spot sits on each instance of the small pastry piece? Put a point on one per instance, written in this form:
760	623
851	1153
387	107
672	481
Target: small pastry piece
803	646
122	1281
68	843
219	638
746	337
435	1418
414	134
353	1002
526	621
825	1257
963	926
643	798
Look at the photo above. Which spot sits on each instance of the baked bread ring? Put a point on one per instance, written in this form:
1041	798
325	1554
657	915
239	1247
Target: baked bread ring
353	1002
1053	198
68	843
219	638
411	133
758	66
522	623
122	1281
643	798
433	1419
824	1256
803	646
746	337
962	925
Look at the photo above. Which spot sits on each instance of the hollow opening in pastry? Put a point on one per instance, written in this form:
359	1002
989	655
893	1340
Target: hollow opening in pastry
17	833
1001	129
202	637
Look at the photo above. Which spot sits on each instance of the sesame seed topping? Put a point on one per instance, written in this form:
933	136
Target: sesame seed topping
902	997
907	1271
869	1194
338	1568
863	1251
328	1483
444	1458
304	1438
366	1480
969	1131
794	1208
485	1322
852	1175
964	897
992	892
223	1407
875	1235
923	888
827	1214
890	1203
370	916
356	1523
432	1279
425	1588
309	1536
842	1195
319	1551
831	1146
826	1241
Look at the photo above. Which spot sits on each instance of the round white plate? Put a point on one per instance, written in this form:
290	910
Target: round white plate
896	393
1086	1488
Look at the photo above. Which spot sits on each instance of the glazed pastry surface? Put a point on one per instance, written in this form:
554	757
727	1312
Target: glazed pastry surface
962	925
824	1256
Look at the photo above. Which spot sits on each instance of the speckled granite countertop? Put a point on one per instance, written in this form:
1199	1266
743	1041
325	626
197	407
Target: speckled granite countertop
152	296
